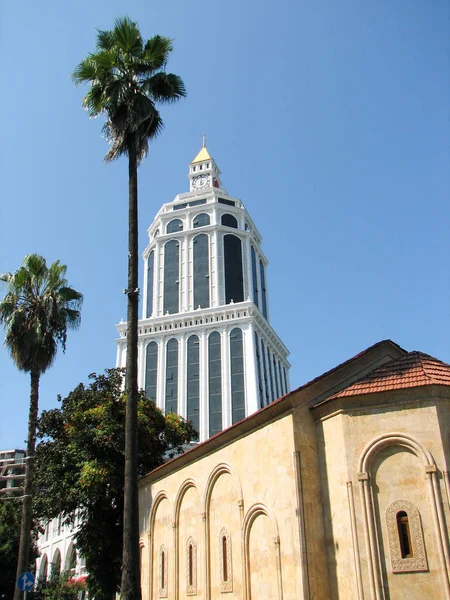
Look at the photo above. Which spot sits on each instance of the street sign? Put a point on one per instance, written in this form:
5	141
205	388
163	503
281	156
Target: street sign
25	582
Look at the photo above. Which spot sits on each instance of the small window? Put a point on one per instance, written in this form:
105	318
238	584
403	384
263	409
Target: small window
404	535
174	226
191	570
229	221
406	547
201	220
228	202
226	573
163	572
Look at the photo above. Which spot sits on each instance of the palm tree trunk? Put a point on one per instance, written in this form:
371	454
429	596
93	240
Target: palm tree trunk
23	563
130	588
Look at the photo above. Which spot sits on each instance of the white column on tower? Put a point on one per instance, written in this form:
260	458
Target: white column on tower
250	370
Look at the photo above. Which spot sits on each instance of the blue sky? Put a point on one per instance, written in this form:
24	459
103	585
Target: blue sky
328	119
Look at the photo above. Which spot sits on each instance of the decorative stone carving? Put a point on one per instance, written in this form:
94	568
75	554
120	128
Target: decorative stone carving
226	585
191	568
163	572
418	562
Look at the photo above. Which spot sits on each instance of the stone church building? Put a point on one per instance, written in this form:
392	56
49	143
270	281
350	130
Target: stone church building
337	490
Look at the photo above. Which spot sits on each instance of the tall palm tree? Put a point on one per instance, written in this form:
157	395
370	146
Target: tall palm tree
127	81
37	310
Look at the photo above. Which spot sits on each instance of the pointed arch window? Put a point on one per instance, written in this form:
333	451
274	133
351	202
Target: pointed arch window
163	572
215	383
226	565
172	376
174	226
191	567
201	270
151	370
150	267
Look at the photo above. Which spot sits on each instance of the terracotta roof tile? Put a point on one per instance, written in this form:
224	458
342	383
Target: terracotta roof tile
415	369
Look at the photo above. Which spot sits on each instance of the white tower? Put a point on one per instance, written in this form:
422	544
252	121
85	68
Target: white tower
206	349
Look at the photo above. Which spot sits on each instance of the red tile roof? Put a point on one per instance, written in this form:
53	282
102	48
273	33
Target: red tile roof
415	369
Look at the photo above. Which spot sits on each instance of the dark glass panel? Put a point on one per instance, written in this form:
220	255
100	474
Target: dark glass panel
276	378
201	220
193	382
259	368
237	376
201	271
150	266
263	288
174	226
285	381
234	282
266	376
196	202
215	383
229	221
228	202
179	207
404	535
280	379
255	278
172	376
171	275
271	377
151	370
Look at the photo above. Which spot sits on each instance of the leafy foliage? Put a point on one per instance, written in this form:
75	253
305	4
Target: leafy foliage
127	80
58	587
80	467
37	310
10	517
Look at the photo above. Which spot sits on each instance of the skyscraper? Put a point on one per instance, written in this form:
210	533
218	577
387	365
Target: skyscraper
206	348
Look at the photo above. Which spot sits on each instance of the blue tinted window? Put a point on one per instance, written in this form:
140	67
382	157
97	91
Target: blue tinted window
196	202
276	377
224	201
255	278
229	221
263	288
174	226
171	275
237	376
193	381
271	378
150	266
259	369
201	271
201	220
151	370
234	282
172	376
266	375
285	380
179	207
215	383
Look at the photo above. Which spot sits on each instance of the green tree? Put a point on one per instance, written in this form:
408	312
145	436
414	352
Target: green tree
37	310
127	81
10	517
80	467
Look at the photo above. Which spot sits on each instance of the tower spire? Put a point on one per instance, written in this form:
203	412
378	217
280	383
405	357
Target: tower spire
204	141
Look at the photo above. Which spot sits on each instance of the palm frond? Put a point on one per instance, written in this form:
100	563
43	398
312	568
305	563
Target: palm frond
165	87
105	40
127	36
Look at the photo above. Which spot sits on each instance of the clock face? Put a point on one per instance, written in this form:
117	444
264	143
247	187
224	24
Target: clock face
200	182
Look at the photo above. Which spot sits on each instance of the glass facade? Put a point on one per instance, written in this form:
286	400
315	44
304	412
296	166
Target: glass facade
259	374
229	221
277	379
151	370
215	383
150	267
237	376
193	381
265	354
201	271
174	226
201	220
263	288
171	404
234	282
171	276
254	277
